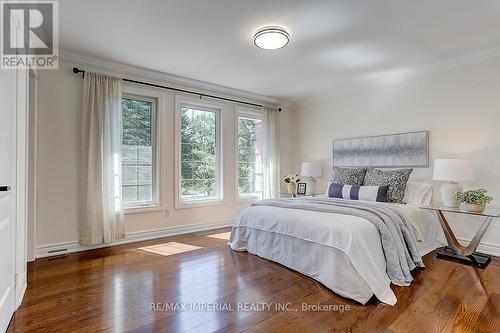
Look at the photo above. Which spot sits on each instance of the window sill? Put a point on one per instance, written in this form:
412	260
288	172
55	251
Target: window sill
201	203
248	198
142	209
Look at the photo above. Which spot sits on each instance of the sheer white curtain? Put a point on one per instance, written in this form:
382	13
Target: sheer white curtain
101	215
271	158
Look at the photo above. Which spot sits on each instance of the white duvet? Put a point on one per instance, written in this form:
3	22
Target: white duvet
343	252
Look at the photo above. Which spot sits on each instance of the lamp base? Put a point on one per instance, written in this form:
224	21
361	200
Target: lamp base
311	185
447	192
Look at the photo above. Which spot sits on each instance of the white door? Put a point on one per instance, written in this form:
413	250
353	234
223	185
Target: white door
7	224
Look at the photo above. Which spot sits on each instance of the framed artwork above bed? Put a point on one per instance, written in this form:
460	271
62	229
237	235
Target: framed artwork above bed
389	151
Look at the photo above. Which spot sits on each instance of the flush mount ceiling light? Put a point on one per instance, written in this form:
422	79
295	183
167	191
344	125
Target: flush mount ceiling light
271	38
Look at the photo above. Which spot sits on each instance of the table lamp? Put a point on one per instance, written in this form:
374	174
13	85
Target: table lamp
309	171
452	171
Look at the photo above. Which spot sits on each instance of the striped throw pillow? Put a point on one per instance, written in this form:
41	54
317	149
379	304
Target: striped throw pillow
357	192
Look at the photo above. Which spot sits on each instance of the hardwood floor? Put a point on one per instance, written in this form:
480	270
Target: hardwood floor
113	289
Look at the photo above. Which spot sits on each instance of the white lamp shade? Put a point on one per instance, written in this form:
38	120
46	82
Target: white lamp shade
310	169
453	170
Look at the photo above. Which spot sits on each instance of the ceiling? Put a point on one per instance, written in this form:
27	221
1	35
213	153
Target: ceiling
337	46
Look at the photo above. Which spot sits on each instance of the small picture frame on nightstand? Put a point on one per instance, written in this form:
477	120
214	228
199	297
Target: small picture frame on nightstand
301	188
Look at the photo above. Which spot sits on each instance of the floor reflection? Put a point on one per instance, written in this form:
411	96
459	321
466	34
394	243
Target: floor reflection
166	249
200	283
222	235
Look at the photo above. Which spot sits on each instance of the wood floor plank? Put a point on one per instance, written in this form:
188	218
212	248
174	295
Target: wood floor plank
488	319
112	289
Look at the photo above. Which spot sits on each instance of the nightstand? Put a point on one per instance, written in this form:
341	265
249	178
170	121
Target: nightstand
455	250
288	195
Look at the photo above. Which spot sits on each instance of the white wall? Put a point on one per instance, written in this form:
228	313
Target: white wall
460	107
59	130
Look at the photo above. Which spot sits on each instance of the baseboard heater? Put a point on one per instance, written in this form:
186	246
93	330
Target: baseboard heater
58	250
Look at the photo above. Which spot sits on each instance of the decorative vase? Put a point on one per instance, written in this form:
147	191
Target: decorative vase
292	189
474	208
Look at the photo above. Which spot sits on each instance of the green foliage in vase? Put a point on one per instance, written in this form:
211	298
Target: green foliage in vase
477	197
291	178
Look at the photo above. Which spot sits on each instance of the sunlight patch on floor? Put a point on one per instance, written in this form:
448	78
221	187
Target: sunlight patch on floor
222	235
166	249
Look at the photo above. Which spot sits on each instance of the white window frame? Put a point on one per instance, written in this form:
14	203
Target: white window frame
206	106
156	98
248	113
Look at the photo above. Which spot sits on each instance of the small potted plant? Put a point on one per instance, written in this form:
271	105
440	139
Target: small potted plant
475	200
291	181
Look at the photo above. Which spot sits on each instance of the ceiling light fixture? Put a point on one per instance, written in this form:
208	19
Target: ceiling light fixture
271	38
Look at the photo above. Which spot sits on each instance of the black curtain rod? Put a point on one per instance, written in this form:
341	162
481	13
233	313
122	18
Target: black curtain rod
76	70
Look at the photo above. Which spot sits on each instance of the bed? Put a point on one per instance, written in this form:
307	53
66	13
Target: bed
343	250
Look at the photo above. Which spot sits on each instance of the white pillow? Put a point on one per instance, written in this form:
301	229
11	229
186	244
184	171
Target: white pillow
418	194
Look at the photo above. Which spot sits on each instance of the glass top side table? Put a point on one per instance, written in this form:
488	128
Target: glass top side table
455	250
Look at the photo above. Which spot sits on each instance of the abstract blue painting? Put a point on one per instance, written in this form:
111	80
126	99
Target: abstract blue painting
394	150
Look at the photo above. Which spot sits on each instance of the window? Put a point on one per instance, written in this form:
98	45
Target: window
249	154
138	152
199	154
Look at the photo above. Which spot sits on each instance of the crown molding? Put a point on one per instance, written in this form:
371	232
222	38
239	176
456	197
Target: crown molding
417	72
161	78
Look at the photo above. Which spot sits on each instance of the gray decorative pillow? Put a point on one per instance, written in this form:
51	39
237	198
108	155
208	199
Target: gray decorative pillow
396	179
348	176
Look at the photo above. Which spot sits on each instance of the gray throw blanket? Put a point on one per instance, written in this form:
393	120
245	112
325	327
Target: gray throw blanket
396	233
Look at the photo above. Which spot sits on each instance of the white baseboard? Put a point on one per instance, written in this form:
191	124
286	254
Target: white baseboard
21	285
486	248
71	247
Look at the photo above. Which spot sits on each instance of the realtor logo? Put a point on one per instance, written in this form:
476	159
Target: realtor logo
29	34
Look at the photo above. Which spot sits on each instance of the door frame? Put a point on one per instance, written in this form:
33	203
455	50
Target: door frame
18	108
32	165
20	194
